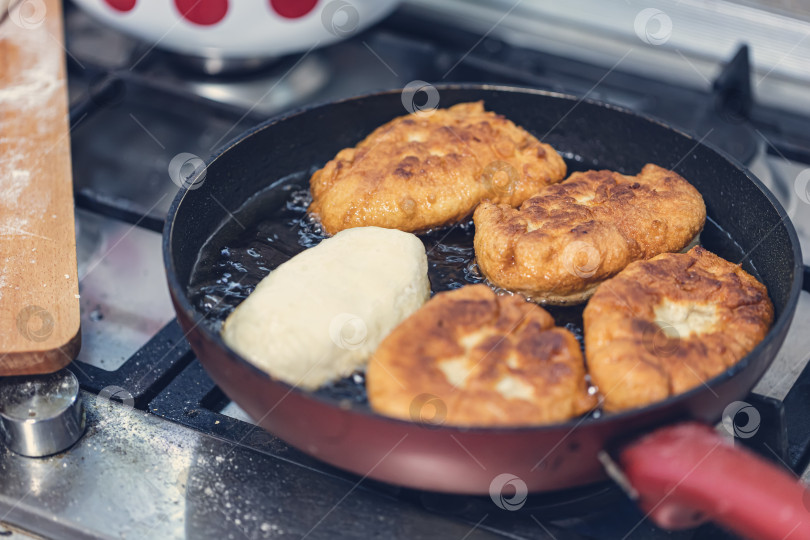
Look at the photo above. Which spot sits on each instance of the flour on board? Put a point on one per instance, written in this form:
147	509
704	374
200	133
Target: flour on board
31	80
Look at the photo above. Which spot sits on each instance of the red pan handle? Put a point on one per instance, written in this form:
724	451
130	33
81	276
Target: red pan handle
687	472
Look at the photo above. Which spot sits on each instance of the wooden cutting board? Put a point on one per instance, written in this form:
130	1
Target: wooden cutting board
39	289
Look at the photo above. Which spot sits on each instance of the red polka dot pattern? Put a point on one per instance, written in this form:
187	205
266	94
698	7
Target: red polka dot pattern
293	9
121	5
202	12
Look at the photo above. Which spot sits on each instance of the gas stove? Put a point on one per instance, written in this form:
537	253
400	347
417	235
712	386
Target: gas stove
166	454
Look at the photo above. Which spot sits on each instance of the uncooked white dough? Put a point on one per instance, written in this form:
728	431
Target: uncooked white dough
319	316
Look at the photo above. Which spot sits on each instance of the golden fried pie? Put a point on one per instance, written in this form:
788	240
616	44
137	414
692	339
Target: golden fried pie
432	168
471	358
569	237
663	326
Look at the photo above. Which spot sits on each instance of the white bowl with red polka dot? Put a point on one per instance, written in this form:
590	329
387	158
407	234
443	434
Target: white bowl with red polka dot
239	28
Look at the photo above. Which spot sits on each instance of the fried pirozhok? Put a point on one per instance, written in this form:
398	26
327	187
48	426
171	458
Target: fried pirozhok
666	325
469	357
569	237
430	169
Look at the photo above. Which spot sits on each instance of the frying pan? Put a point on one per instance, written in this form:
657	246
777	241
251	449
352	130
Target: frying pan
679	473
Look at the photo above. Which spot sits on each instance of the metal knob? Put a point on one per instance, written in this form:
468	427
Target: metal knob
41	415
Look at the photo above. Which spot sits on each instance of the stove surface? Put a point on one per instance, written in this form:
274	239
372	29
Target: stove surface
173	457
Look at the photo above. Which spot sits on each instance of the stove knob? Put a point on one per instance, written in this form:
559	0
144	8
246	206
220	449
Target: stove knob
41	415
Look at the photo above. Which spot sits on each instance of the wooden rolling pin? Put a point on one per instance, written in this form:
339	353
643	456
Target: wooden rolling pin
39	288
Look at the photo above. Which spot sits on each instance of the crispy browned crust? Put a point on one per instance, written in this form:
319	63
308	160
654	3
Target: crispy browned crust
430	169
572	236
500	338
633	362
